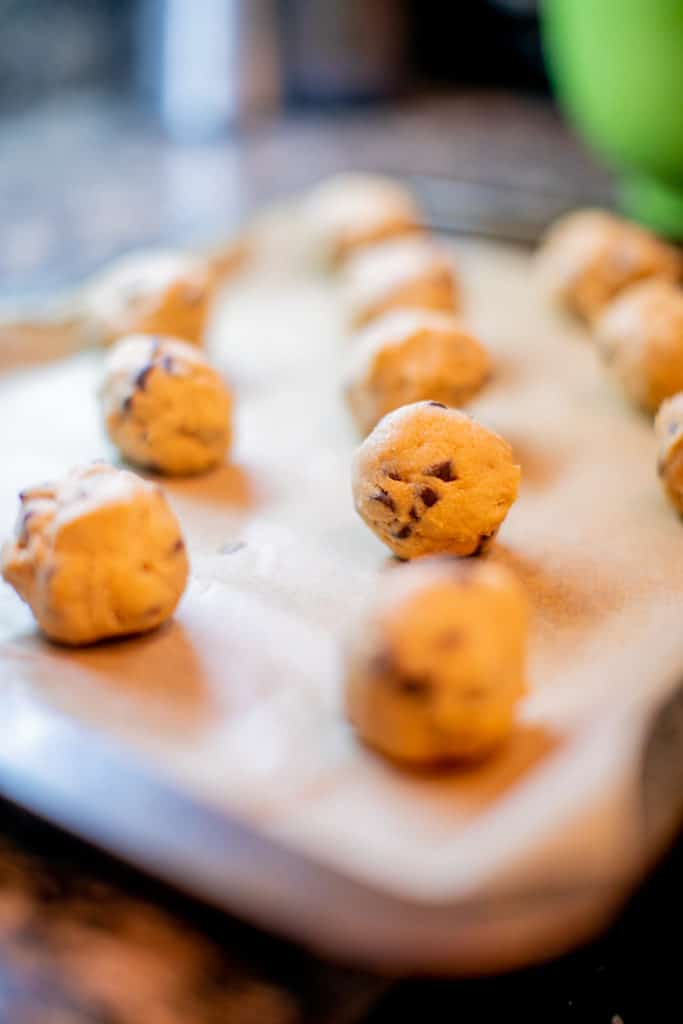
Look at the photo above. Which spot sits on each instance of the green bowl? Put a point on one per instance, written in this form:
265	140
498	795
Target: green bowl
617	66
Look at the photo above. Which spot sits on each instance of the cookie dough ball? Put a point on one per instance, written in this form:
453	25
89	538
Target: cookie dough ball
430	479
436	670
350	211
590	256
164	407
98	554
669	430
409	355
406	273
166	294
640	337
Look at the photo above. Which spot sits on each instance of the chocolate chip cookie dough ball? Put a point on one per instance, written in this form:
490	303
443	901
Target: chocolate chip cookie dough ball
640	338
669	430
169	294
430	479
590	256
350	211
410	355
400	274
164	407
98	554
437	668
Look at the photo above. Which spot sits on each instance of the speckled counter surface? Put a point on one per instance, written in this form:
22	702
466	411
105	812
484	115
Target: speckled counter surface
87	177
84	941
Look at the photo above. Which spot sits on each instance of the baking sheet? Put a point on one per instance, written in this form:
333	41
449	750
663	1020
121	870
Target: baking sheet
237	701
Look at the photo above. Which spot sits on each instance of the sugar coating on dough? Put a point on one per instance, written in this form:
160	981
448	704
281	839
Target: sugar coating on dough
640	337
169	293
410	355
98	554
164	407
430	480
398	274
669	430
349	211
588	257
437	667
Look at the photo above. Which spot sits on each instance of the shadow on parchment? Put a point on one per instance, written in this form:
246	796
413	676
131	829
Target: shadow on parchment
570	597
455	790
230	484
540	463
138	683
479	783
505	374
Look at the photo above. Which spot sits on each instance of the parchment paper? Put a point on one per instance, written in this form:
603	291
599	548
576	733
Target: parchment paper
237	699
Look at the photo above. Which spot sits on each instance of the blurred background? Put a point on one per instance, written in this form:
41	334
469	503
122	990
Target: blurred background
128	122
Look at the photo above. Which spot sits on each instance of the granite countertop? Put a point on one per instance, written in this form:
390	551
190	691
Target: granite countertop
82	939
85	941
87	177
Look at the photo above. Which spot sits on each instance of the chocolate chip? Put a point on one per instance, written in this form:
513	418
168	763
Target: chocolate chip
178	546
413	513
44	490
384	498
231	547
393	475
437	405
403	533
428	496
140	381
484	539
382	664
449	639
412	686
442	471
23	526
